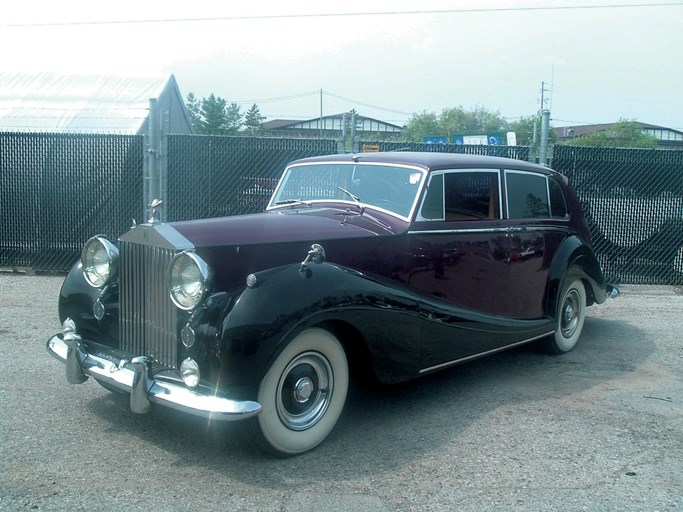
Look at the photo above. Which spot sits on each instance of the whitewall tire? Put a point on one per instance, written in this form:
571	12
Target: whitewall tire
570	317
302	394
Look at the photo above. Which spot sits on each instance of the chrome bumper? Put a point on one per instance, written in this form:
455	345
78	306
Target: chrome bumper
135	377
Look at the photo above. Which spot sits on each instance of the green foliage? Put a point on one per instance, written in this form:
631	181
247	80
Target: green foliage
193	109
458	121
424	124
454	121
253	121
213	115
623	134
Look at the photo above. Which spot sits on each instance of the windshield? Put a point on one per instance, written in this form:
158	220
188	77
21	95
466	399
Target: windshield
386	187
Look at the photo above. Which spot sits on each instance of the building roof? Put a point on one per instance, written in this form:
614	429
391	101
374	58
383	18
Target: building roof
332	122
665	136
60	103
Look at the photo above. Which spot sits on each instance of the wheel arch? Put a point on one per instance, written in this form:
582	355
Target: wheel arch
575	259
360	311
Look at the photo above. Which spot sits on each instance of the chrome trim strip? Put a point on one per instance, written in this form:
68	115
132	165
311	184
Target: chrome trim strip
464	231
531	229
482	354
202	402
498	229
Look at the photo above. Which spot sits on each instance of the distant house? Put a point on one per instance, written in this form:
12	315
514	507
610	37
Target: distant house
331	127
667	137
61	103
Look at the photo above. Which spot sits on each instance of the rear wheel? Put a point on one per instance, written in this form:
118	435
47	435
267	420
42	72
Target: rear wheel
302	394
570	317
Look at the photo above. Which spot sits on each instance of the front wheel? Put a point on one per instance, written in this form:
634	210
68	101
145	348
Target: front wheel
570	318
302	394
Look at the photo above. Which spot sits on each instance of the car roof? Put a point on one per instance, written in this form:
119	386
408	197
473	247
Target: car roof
429	160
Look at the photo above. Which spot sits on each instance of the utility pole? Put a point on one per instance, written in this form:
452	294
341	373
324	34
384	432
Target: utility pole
545	129
321	113
353	131
342	142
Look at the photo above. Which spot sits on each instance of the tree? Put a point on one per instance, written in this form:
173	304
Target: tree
213	115
193	109
622	134
454	121
253	121
233	119
424	124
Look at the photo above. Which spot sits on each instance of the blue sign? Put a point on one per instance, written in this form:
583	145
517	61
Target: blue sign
435	140
491	139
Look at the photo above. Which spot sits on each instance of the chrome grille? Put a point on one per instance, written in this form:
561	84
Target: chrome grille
147	317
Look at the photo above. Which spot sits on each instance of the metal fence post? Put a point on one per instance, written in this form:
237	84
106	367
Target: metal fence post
152	174
545	129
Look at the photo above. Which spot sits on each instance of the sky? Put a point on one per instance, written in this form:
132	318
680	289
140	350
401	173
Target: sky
597	61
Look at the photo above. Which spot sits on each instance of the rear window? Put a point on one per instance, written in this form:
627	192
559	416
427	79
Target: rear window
558	204
527	195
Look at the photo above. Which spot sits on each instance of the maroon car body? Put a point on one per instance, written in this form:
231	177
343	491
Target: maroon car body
398	264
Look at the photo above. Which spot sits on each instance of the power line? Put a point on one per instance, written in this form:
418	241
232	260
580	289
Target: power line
279	98
399	112
325	93
346	14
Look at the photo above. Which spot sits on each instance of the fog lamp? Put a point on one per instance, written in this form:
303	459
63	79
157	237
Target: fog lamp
189	371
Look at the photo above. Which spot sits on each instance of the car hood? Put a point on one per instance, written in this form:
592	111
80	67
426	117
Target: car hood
289	225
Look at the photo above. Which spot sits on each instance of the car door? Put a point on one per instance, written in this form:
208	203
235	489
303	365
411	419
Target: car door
536	214
460	261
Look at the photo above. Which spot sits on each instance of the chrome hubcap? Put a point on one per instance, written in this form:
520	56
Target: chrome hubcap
304	391
570	313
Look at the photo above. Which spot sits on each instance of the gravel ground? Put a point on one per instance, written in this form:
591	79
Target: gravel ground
599	428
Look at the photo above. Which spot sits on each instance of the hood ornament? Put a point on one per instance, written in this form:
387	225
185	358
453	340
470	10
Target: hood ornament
154	208
316	255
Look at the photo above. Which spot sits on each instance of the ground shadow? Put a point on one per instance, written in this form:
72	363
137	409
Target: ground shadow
385	427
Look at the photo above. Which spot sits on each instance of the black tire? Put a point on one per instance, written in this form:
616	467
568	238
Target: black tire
571	314
302	395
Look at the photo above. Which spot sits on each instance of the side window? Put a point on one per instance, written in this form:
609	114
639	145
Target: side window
432	207
462	195
471	195
527	195
558	204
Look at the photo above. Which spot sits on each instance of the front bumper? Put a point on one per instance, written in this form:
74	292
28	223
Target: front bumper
135	376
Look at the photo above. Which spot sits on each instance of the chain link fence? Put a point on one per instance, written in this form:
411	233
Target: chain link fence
58	190
214	176
633	201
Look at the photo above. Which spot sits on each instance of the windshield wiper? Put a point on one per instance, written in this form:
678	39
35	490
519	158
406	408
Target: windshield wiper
355	198
292	201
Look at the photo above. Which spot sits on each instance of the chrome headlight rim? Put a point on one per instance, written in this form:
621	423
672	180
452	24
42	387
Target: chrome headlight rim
99	261
189	294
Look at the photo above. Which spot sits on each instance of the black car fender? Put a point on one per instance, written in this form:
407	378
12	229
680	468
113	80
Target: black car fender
76	301
575	259
281	302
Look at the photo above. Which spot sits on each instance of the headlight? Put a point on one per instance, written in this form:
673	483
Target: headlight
100	260
189	280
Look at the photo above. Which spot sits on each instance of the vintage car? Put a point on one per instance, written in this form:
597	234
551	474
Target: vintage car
394	264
